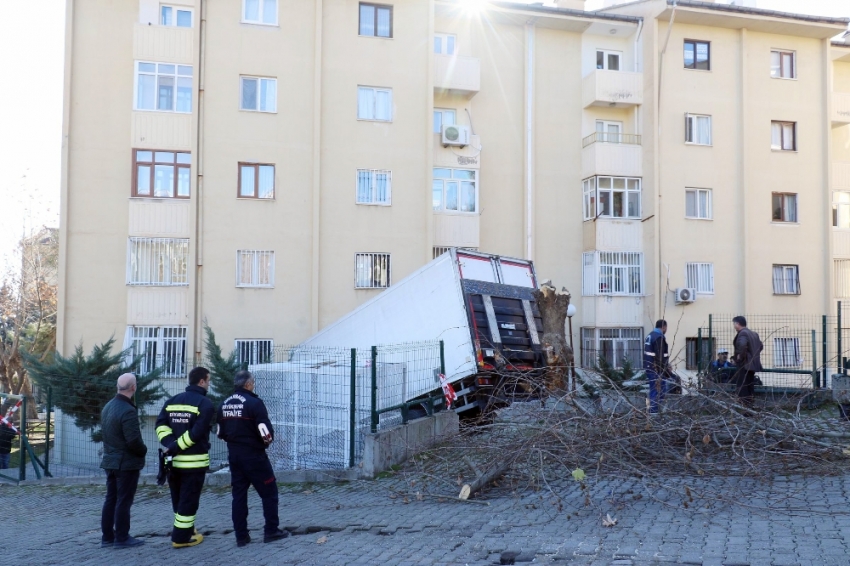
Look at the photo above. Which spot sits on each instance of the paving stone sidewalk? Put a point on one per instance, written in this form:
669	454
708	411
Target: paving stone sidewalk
803	521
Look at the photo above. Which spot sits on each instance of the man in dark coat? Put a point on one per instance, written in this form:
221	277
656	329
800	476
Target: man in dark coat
747	359
123	456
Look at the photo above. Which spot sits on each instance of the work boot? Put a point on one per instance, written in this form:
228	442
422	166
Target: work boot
275	536
194	541
128	542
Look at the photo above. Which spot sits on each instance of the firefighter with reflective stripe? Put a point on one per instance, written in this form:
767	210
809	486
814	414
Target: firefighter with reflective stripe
243	422
183	428
656	362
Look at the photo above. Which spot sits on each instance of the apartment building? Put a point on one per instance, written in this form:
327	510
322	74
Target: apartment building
265	166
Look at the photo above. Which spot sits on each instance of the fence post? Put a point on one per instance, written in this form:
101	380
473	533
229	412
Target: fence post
352	408
840	351
815	383
442	357
22	452
709	335
825	353
47	432
699	350
374	389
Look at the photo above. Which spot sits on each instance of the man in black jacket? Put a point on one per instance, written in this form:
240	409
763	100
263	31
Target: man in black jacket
747	359
243	422
123	456
183	428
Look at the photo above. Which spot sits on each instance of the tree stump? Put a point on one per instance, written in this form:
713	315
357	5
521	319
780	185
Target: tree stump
553	306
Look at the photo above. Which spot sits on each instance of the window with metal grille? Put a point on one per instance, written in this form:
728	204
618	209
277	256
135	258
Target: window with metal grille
783	136
786	353
249	352
160	347
256	180
611	197
700	276
163	86
783	64
371	271
254	268
697	129
786	280
842	278
612	273
693	359
374	186
440	250
614	345
157	261
161	174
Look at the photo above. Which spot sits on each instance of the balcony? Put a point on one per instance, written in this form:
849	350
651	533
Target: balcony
841	107
160	218
456	230
613	311
613	234
616	89
840	176
165	44
458	157
457	75
612	154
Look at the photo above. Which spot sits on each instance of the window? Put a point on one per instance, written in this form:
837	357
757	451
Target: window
258	94
249	352
160	347
697	129
782	65
613	344
608	131
455	190
841	209
254	268
175	16
611	197
612	273
700	276
259	12
697	55
783	136
161	174
786	353
841	278
608	60
374	104
256	180
376	20
443	117
158	261
445	44
786	280
694	359
163	86
784	207
440	250
374	186
371	271
698	204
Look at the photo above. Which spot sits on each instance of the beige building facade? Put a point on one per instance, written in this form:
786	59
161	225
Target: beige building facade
265	166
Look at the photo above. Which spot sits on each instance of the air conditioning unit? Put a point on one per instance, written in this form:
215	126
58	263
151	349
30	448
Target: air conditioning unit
686	295
455	135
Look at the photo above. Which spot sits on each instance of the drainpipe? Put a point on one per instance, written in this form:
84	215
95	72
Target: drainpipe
317	168
662	288
529	140
199	184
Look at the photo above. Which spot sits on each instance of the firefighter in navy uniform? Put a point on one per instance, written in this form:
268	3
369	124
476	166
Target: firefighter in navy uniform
183	428
656	362
244	425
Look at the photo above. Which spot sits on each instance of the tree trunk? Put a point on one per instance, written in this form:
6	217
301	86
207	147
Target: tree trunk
553	310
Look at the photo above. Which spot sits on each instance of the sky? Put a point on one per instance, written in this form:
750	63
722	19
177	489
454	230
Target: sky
31	64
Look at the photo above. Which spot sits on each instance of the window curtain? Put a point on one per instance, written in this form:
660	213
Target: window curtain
266	189
366	104
383	22
247	183
383	107
775	64
776	135
252	10
367	20
268	95
269	11
249	94
788	136
704	130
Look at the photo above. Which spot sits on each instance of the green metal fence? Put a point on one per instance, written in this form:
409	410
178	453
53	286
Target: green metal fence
22	440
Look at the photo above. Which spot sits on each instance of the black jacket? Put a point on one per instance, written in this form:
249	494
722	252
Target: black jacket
748	349
7	435
123	447
183	428
239	418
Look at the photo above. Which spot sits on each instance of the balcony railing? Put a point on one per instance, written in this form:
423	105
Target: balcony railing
454	74
610	137
841	107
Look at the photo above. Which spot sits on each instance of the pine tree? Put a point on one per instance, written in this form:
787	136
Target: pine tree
222	370
82	384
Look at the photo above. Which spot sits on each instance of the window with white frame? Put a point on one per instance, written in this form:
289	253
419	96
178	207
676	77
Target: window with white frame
374	186
783	136
254	268
443	117
841	209
783	64
786	353
163	86
376	20
445	44
786	279
455	190
612	273
611	197
698	204
259	12
609	131
162	347
608	60
158	261
178	16
614	345
256	180
784	207
700	276
371	271
374	104
698	129
258	94
841	278
250	352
